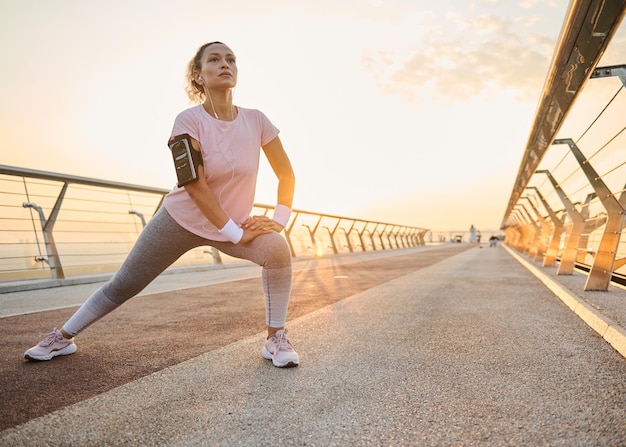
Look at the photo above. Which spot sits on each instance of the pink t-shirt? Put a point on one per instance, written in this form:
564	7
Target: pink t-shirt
230	150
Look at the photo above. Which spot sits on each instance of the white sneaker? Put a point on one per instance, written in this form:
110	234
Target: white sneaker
279	350
50	345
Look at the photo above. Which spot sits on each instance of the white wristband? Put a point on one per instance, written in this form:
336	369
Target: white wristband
232	232
281	214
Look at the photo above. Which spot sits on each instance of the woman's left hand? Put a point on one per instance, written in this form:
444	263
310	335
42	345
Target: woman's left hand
261	223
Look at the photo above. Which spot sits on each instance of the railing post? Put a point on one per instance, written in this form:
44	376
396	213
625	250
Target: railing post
391	237
537	250
622	200
347	233
400	234
420	237
511	233
528	226
411	237
553	247
587	228
566	266
287	231
361	233
535	233
515	234
332	236
371	234
403	232
543	232
312	233
522	225
408	236
47	226
380	237
528	229
388	234
602	268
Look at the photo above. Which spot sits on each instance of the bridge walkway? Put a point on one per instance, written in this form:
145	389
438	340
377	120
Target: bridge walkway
445	345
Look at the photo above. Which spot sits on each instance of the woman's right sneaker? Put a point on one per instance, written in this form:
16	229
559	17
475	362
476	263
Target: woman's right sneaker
50	345
280	351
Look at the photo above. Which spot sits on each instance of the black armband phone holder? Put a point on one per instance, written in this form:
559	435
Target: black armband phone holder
186	159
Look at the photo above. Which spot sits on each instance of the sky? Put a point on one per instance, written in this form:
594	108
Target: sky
411	112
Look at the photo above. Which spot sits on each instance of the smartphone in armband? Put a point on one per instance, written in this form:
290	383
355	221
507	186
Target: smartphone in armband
186	159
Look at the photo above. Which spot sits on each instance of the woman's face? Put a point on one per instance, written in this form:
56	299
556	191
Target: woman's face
218	67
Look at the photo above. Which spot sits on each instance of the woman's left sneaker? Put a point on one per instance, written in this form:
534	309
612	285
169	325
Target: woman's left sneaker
50	345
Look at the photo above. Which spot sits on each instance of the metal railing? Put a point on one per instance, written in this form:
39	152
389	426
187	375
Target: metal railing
57	226
568	202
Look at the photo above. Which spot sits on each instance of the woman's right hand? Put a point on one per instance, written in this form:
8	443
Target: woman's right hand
250	233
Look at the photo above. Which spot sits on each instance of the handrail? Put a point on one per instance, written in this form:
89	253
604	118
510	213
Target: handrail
66	178
75	215
588	180
588	28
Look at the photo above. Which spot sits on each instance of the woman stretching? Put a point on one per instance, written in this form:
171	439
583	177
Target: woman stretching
216	146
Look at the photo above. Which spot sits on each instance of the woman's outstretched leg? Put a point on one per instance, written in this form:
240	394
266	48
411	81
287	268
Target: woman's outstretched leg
161	243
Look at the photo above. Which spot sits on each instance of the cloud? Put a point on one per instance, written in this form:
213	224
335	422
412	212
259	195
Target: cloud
529	4
484	54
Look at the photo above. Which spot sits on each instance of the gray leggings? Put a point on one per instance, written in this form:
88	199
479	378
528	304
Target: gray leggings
161	243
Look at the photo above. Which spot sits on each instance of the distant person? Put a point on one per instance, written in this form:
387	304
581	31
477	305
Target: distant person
210	207
472	237
478	236
493	241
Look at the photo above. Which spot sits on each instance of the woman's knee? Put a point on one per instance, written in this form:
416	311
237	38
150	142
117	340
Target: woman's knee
274	251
